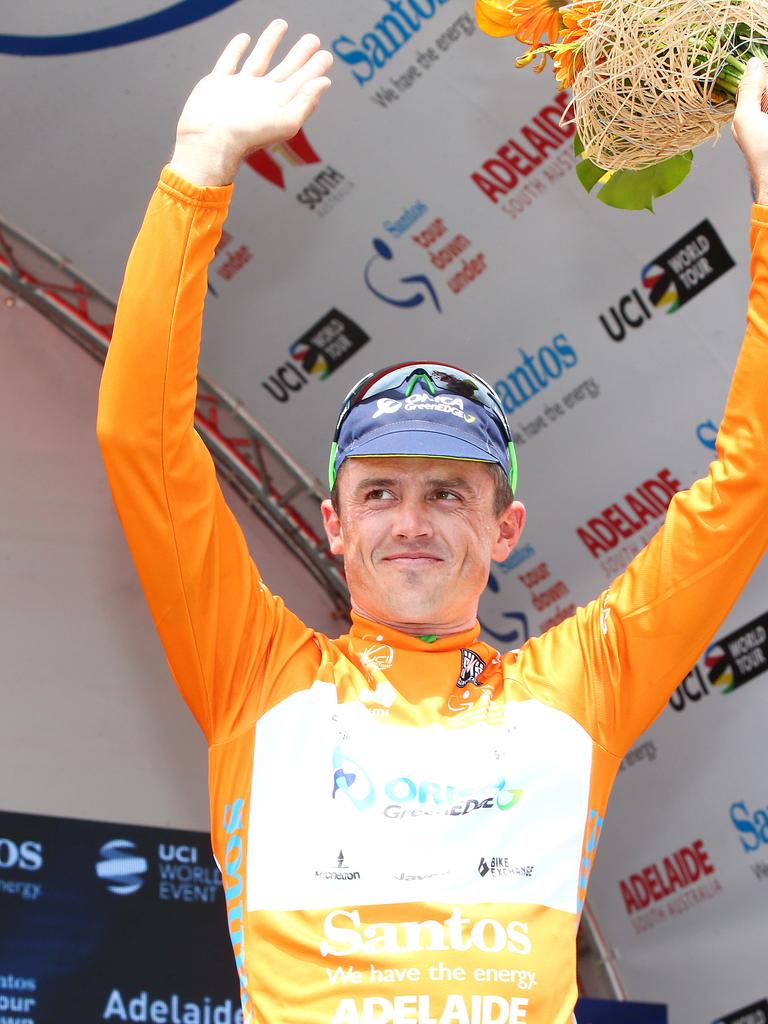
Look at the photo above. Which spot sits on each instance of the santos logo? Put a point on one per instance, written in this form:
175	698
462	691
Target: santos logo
345	935
121	868
28	855
383	40
421	797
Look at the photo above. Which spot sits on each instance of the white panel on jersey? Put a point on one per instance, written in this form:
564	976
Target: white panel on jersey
347	809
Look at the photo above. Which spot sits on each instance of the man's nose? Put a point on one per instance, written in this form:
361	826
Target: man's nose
412	519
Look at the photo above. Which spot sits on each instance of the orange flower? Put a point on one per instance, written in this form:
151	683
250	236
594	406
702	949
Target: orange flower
494	18
527	20
569	54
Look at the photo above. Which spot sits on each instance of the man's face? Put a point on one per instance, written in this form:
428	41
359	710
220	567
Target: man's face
418	536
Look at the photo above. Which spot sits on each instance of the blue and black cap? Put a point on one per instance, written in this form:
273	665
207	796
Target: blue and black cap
424	409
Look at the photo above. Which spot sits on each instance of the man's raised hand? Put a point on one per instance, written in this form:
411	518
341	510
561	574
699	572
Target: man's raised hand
750	125
231	113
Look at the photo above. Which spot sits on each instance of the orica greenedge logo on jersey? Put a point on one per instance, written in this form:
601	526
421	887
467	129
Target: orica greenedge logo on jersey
412	797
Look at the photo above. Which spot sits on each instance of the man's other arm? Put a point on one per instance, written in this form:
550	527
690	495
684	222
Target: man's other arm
614	664
203	590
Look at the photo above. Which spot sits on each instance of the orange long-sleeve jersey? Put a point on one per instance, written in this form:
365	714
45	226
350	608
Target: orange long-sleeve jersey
405	829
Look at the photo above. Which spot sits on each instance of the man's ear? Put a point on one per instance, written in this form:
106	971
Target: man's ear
332	525
511	523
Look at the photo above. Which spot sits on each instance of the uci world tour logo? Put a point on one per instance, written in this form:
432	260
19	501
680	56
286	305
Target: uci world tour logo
328	343
168	19
735	659
684	269
122	867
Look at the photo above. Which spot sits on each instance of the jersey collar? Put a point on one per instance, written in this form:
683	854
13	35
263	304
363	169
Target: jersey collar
366	628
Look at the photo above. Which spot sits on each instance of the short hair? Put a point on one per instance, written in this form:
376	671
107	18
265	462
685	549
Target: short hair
503	495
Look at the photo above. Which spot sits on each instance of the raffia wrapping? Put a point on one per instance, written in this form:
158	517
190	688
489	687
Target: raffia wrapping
644	93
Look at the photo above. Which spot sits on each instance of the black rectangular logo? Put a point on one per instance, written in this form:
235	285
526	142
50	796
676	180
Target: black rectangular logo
328	343
756	1013
686	268
737	658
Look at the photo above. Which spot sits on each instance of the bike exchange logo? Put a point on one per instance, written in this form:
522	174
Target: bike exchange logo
500	867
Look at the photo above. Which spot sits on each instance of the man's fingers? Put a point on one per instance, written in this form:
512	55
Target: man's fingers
296	58
752	85
304	102
316	66
261	57
232	55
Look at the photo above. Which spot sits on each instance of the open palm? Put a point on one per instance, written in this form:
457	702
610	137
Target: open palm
232	112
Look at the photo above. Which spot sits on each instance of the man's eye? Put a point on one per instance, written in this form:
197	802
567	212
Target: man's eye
379	494
446	496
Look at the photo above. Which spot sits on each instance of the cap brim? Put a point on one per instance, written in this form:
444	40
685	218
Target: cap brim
421	439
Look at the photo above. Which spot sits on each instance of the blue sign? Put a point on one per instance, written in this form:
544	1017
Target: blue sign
185	12
606	1011
105	922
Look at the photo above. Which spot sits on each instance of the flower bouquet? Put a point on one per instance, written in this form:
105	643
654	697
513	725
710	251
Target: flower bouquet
651	79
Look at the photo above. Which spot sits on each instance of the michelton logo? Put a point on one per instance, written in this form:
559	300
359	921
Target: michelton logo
687	267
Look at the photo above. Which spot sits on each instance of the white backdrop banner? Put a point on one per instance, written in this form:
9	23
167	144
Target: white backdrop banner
430	210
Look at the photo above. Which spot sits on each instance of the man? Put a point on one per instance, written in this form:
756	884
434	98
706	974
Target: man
404	818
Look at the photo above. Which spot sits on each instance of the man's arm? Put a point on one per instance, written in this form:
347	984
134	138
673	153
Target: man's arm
639	639
203	590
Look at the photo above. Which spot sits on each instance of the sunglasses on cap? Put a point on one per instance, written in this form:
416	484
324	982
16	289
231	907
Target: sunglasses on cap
434	377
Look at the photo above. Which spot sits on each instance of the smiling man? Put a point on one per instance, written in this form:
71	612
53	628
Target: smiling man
446	798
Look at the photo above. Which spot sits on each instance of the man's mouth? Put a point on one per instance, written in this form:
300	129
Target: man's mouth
412	559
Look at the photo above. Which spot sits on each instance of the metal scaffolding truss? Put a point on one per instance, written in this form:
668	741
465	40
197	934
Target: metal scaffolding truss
267	478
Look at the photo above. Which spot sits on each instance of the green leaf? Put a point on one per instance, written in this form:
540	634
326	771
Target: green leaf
588	174
636	190
578	145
